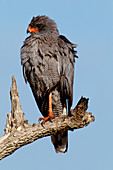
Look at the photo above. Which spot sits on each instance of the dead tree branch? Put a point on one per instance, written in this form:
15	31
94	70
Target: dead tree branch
19	133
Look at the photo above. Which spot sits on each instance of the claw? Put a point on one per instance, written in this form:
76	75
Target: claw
44	119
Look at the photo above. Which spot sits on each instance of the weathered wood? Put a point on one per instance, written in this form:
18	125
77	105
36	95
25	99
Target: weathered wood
19	133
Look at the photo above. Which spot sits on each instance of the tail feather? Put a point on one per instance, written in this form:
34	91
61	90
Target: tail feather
60	141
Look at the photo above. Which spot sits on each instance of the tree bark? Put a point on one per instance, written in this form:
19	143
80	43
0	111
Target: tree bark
19	133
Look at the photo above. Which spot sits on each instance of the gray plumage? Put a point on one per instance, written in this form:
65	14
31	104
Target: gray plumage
48	65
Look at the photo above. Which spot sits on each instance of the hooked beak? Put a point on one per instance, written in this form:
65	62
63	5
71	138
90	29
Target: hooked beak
28	31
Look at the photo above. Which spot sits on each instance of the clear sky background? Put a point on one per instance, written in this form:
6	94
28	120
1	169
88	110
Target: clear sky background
89	23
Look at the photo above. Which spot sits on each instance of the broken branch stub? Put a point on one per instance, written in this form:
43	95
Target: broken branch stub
15	119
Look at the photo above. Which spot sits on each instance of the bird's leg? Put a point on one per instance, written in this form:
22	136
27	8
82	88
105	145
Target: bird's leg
51	115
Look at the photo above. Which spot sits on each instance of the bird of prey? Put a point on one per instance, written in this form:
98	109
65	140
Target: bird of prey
48	65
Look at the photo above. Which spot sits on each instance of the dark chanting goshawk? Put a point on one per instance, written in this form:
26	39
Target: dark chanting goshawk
48	66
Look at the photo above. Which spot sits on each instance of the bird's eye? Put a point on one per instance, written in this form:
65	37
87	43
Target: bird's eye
39	25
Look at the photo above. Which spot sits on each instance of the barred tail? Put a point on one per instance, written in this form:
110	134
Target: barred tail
60	141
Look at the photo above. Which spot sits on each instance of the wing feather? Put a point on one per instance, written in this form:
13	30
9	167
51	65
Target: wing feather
40	66
67	60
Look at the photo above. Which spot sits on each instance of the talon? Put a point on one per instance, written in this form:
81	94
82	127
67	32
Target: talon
41	118
44	119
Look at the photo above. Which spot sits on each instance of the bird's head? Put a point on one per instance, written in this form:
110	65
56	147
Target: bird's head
42	24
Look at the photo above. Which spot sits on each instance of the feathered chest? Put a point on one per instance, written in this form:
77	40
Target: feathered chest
36	47
40	63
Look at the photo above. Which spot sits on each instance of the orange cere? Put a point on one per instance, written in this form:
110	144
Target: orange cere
31	29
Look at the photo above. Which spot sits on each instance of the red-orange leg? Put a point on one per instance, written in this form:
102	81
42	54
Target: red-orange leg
51	115
50	106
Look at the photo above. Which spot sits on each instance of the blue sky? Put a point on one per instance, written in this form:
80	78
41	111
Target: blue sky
90	25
